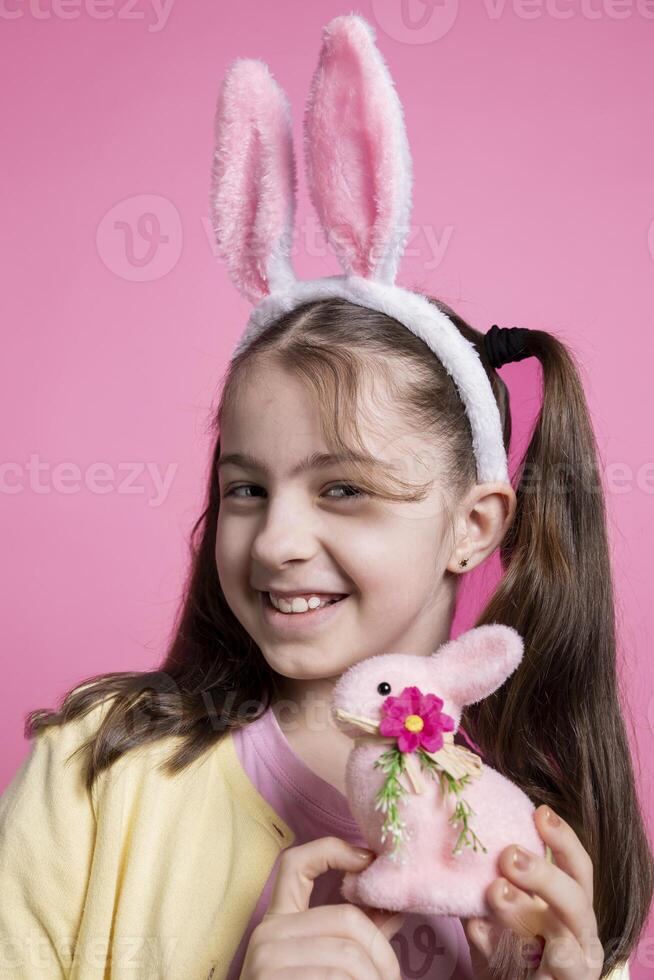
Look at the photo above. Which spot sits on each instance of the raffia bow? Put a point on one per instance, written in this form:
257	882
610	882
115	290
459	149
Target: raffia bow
456	760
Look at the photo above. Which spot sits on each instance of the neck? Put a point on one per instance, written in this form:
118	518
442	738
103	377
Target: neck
305	705
303	710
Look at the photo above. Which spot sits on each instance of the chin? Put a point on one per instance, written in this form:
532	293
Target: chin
301	667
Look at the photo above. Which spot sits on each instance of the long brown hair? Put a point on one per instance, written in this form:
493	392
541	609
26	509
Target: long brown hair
556	726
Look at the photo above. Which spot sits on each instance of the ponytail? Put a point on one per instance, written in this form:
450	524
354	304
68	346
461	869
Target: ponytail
556	727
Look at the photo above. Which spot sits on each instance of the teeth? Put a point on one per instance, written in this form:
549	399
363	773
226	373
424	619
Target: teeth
299	604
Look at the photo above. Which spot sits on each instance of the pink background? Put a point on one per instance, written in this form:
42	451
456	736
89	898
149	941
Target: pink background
530	128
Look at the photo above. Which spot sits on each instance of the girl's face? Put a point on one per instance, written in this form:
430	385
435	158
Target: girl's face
287	527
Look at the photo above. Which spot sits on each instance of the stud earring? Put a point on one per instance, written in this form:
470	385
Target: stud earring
463	562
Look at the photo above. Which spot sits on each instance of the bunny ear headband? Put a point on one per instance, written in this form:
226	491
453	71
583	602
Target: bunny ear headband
358	167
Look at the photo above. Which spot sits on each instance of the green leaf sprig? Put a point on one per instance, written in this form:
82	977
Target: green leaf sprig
392	792
462	809
390	796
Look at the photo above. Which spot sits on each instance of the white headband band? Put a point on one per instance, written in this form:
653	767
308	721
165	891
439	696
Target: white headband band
358	167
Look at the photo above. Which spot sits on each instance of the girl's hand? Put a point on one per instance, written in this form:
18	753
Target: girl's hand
553	902
343	942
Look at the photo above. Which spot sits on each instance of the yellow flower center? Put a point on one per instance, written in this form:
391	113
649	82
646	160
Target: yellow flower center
414	723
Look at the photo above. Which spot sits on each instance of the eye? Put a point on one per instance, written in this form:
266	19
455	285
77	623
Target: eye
384	688
246	486
353	493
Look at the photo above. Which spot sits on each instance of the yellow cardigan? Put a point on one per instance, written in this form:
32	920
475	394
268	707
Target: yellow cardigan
91	886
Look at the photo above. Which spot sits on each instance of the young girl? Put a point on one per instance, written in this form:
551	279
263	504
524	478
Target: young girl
191	822
157	853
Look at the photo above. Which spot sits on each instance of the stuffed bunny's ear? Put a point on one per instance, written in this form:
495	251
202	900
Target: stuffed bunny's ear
357	154
254	180
477	662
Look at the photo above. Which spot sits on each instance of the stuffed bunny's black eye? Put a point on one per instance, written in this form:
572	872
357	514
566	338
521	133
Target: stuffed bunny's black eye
384	688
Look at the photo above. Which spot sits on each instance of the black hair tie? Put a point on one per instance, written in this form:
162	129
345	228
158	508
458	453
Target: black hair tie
504	344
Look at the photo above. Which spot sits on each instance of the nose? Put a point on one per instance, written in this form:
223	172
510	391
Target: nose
287	533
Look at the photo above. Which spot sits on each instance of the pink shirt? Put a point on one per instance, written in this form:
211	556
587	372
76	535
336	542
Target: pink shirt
427	947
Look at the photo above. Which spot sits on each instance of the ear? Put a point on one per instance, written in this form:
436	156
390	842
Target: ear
357	154
478	662
254	180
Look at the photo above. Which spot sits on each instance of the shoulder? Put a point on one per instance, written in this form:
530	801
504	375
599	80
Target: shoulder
53	765
53	775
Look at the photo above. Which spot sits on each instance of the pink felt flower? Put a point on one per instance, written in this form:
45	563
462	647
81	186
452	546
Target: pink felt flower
416	720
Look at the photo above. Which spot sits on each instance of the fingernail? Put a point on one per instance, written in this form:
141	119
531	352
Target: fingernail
362	854
552	818
521	860
509	894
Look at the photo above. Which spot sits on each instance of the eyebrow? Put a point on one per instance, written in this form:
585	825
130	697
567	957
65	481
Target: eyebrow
314	462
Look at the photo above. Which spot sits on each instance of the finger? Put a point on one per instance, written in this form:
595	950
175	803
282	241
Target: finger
481	936
562	959
343	921
480	933
563	955
565	897
329	952
299	866
565	959
568	851
490	954
517	910
484	936
388	922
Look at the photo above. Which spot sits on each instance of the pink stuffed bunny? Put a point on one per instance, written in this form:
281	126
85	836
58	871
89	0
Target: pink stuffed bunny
436	816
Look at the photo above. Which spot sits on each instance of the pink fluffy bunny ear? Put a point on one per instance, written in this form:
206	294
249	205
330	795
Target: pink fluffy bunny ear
476	663
357	154
254	180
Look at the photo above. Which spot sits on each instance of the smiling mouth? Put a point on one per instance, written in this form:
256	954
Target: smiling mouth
306	612
300	622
